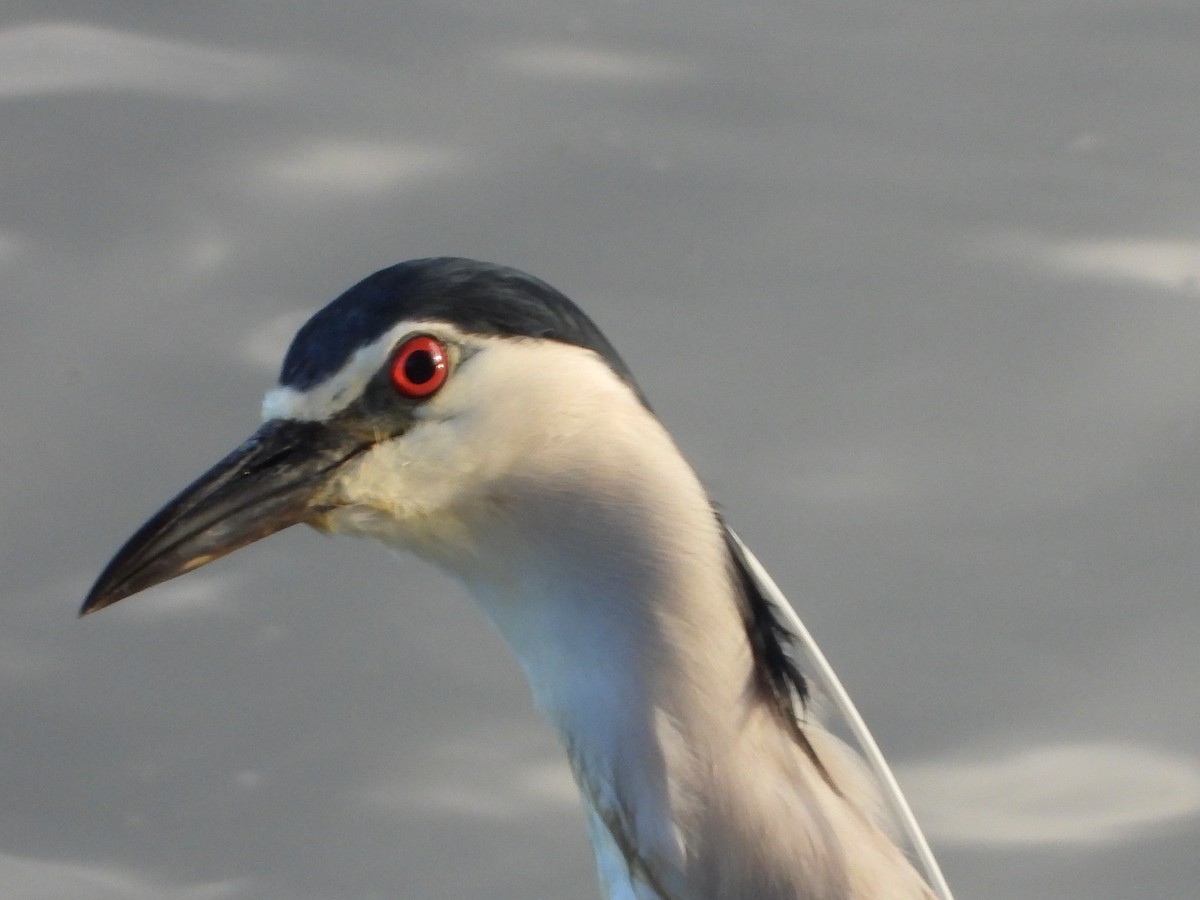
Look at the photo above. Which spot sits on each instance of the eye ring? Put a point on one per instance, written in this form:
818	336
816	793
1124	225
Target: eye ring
419	367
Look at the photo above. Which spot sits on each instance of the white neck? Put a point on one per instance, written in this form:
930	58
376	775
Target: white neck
622	613
565	508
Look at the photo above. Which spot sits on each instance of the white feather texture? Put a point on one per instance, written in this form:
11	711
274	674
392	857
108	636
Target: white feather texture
537	478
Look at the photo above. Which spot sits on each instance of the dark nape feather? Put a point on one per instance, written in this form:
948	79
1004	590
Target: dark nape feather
769	637
778	677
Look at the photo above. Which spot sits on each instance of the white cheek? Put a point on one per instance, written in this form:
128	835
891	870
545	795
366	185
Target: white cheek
413	476
512	432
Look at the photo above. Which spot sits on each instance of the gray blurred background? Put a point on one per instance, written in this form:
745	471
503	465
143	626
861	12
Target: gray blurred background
915	285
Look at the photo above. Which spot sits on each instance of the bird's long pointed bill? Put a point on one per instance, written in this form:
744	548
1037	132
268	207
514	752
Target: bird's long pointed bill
270	482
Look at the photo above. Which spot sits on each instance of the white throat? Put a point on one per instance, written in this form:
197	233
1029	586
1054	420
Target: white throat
565	508
619	604
593	548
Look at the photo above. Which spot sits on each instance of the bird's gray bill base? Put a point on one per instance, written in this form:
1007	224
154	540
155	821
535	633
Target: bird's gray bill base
270	482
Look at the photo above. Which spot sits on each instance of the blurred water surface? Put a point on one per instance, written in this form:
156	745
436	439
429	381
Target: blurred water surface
916	286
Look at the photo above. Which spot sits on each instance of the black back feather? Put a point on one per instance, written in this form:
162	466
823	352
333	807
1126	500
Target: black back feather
778	679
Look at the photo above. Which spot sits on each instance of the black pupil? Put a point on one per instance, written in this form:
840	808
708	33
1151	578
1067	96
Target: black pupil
419	366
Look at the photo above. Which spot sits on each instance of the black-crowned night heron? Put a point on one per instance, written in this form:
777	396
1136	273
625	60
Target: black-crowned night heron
475	416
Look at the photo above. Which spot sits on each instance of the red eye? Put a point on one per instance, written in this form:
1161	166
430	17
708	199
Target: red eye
420	367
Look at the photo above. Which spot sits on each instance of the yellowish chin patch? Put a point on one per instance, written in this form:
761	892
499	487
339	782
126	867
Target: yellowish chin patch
320	522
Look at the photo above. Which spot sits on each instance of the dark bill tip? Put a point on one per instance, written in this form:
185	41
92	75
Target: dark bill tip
270	482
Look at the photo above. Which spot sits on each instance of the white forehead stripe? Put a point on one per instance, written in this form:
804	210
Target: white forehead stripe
343	387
